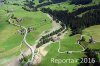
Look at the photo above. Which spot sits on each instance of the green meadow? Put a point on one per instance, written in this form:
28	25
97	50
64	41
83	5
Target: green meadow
54	54
95	32
62	6
10	39
68	43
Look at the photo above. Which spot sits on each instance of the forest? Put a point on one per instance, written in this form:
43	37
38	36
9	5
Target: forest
75	21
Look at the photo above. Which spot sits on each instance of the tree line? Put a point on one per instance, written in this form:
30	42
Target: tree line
47	38
91	58
29	5
81	1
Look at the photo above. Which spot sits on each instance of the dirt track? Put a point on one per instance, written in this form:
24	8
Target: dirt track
42	51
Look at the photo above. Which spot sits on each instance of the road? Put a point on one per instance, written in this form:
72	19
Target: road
42	51
15	61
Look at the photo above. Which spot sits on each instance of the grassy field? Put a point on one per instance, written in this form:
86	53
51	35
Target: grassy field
53	53
95	46
61	6
95	32
9	34
10	39
67	44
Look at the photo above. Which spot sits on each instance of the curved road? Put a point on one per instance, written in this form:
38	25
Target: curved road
15	62
24	41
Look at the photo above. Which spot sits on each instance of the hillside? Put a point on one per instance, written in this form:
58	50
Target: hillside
50	33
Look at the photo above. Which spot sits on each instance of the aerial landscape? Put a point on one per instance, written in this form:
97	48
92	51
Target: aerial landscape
49	32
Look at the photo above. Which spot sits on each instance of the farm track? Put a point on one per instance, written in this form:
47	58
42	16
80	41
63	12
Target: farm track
15	63
43	52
